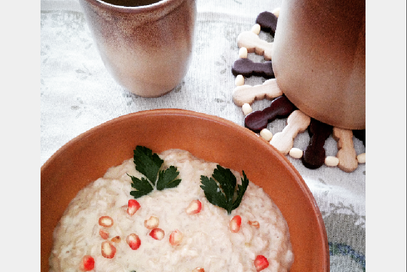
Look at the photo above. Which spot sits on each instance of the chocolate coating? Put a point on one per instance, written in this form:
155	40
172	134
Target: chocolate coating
361	135
314	154
248	68
267	22
280	107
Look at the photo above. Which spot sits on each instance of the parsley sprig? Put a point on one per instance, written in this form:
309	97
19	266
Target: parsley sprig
220	189
149	164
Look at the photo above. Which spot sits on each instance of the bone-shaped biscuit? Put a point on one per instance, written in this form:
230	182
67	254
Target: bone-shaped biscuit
248	68
280	107
253	43
248	94
346	152
314	154
297	122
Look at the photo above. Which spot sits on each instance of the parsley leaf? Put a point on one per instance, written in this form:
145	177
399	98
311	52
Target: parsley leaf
149	164
142	186
220	189
167	178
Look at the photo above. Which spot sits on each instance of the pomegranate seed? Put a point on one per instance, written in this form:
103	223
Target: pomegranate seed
176	237
194	207
88	263
108	249
132	206
116	239
235	223
104	234
133	241
198	269
106	221
157	233
261	262
152	222
255	224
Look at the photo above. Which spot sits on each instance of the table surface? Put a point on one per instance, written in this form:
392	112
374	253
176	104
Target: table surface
77	93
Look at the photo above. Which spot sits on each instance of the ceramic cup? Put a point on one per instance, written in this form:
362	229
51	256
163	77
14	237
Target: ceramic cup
146	45
319	59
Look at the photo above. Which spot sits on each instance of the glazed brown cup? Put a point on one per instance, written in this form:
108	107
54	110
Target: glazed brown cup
146	45
319	59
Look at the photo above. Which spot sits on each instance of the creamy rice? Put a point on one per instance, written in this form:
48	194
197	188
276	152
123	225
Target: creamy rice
207	241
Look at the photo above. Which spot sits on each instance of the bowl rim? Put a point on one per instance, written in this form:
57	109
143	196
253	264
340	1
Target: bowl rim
212	118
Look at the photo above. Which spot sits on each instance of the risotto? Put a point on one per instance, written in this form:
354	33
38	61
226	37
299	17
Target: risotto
172	230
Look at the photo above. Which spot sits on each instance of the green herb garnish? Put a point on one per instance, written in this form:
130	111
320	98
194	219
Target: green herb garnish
149	164
220	189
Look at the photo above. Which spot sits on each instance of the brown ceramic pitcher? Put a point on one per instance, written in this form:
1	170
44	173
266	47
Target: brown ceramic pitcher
319	59
146	45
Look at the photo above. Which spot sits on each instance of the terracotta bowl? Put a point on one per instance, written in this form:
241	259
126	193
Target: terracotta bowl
88	156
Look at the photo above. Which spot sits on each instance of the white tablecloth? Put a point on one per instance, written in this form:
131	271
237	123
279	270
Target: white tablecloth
77	93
